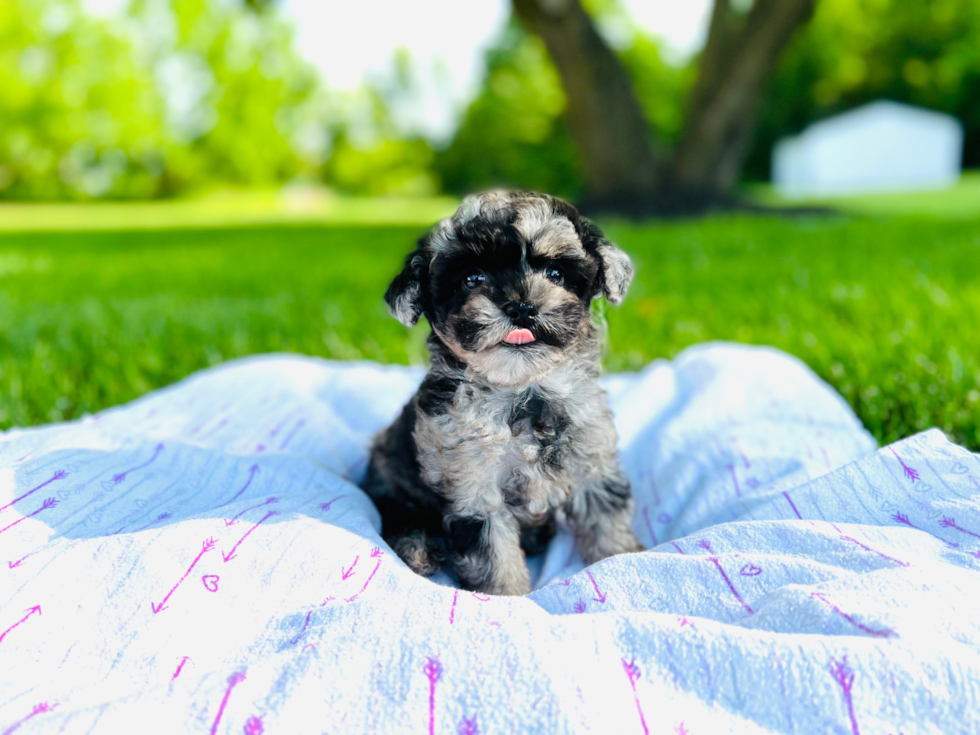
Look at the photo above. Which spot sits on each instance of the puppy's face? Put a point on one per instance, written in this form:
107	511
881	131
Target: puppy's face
507	282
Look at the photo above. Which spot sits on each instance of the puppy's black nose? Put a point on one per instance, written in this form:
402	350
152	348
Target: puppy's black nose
520	310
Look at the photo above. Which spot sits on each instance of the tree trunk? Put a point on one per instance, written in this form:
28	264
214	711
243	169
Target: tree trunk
625	172
604	117
734	71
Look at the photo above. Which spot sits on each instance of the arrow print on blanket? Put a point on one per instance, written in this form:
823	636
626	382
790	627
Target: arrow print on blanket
205	548
49	503
15	564
731	587
883	633
232	521
600	596
302	632
634	674
234	680
951	523
433	672
348	573
121	477
38	709
252	471
31	611
376	553
326	506
180	666
60	474
231	555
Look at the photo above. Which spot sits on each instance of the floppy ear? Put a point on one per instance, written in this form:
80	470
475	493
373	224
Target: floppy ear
617	271
406	294
615	267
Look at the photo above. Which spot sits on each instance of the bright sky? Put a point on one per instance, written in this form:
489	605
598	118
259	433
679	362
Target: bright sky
351	41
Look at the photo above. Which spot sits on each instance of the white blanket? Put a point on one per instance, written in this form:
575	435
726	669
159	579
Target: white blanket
198	561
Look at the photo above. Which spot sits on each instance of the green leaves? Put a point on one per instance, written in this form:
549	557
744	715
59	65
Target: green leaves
175	96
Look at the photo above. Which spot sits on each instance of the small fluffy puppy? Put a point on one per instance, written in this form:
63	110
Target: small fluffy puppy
510	425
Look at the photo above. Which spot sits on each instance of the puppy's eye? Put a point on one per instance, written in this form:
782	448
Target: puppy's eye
473	280
553	274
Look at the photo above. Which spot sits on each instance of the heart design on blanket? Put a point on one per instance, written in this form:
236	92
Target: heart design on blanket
211	582
751	570
959	469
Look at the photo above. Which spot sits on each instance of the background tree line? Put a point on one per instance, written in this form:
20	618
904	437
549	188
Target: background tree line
183	94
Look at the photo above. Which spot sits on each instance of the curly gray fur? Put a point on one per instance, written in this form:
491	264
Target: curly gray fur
501	437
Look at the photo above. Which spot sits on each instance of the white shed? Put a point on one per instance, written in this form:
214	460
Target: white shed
882	146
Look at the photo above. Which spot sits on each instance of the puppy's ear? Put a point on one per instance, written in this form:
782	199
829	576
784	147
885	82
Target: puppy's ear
616	270
407	293
615	267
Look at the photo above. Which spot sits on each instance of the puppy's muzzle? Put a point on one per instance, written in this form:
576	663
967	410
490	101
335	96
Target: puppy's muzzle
521	313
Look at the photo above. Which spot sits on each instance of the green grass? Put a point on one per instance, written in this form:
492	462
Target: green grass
883	308
224	209
959	202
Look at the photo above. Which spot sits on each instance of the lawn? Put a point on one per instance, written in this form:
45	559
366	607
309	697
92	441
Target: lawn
882	305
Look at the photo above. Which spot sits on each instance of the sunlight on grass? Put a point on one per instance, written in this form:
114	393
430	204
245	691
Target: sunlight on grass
958	202
225	208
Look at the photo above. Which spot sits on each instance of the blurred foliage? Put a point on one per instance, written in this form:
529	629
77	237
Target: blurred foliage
386	166
856	51
79	116
373	152
238	93
514	133
852	52
180	95
172	96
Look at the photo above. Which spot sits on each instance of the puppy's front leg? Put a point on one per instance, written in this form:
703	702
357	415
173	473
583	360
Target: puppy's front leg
487	553
601	517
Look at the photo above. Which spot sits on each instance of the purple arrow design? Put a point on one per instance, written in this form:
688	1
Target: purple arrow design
57	476
601	598
251	476
122	475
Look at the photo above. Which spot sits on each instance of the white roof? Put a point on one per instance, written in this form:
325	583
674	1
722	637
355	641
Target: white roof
878	147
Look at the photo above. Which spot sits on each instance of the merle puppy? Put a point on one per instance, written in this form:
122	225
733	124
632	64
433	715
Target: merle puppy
510	425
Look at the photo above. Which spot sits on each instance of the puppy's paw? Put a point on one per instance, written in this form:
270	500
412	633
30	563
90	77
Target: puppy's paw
630	544
498	577
510	577
417	551
510	588
612	540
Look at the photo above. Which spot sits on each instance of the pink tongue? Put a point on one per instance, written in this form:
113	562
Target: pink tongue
519	337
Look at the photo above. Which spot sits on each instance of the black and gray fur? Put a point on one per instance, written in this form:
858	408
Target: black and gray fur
500	437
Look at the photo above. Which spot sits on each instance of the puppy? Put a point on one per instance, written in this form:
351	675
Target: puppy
510	425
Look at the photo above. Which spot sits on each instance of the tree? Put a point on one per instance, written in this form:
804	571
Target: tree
627	169
857	51
514	132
